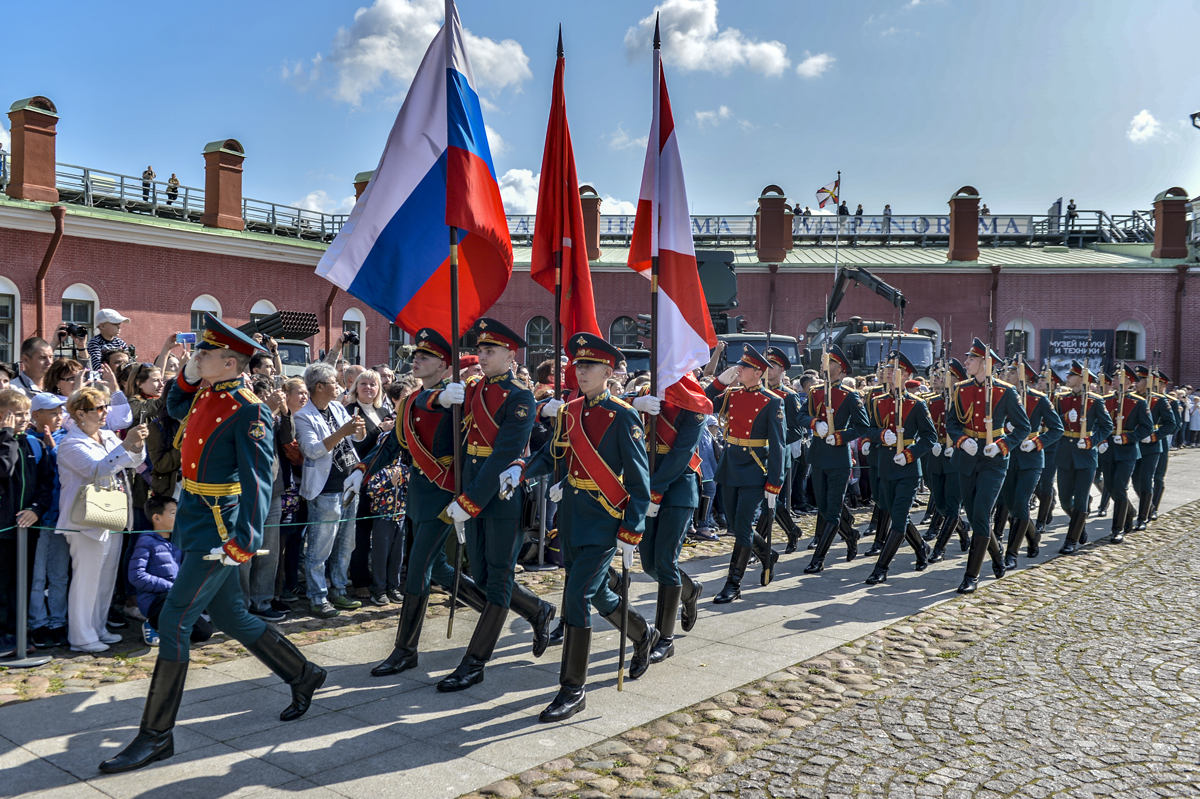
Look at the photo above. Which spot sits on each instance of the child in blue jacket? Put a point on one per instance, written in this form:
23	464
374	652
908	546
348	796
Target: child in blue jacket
153	566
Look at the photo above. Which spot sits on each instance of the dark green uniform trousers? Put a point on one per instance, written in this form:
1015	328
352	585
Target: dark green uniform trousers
494	545
1074	486
1117	475
427	559
662	542
1143	473
741	502
896	497
1018	488
980	489
587	583
204	586
829	488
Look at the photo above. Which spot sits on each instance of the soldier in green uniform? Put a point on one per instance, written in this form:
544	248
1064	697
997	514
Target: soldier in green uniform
750	471
881	516
837	417
899	459
1049	383
1086	423
1121	452
1167	418
988	411
943	454
427	437
602	508
777	383
228	454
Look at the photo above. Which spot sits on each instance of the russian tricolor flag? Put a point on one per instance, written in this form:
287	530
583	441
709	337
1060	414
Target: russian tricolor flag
436	173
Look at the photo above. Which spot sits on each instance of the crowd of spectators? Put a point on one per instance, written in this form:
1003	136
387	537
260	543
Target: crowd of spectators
99	419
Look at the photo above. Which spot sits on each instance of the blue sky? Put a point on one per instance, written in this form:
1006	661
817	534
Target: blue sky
1027	101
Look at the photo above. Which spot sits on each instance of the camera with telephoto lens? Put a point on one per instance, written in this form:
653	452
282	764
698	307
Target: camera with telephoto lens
350	337
75	331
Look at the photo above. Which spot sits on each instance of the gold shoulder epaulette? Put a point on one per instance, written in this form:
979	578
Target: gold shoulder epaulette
248	395
621	402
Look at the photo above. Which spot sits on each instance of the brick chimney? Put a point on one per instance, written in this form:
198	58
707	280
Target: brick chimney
964	225
590	201
223	184
360	182
32	122
1170	224
774	225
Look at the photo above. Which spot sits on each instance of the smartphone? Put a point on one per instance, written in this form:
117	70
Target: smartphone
185	338
278	381
93	376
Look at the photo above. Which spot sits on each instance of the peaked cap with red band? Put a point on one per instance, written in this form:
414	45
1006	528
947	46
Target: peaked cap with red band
489	331
836	354
905	363
1077	370
777	357
1031	375
978	349
957	369
590	348
219	336
430	341
1128	371
752	358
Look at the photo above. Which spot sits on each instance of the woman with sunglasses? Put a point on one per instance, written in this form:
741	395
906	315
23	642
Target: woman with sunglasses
90	454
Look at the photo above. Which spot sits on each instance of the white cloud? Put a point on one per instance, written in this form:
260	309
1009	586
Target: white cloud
386	42
713	118
620	139
496	142
488	105
890	31
611	206
694	42
320	201
1143	128
519	191
814	66
747	125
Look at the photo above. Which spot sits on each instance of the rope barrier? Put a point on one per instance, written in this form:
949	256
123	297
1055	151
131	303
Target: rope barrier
125	532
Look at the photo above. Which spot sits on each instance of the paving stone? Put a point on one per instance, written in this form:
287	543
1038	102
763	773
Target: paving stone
505	789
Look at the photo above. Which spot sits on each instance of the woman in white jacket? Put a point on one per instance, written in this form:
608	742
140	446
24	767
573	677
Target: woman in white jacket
91	454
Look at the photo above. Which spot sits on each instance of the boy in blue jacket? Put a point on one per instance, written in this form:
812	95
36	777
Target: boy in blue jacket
153	566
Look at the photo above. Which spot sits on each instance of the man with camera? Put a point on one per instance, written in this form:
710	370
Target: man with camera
108	335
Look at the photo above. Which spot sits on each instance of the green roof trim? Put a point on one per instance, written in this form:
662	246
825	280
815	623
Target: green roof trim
43	105
364	177
231	146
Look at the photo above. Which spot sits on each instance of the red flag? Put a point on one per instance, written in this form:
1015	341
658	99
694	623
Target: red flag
558	227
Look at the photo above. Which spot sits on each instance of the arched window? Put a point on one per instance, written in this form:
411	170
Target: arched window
1018	337
353	321
262	308
623	332
929	326
396	341
539	335
1130	341
10	320
79	304
815	326
205	303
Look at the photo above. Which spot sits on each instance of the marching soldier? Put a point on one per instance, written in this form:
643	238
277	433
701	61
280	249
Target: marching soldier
1025	466
1151	470
750	472
777	365
981	468
1120	454
942	453
602	508
427	435
837	416
228	456
674	495
499	414
881	517
900	460
1086	423
1051	384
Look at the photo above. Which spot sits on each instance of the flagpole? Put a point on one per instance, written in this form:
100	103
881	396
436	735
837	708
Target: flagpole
558	256
456	417
837	229
655	221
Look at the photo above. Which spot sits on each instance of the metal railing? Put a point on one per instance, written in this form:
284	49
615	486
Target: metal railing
617	229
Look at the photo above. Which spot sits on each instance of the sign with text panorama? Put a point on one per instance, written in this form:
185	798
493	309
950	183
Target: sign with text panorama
622	225
1064	346
825	226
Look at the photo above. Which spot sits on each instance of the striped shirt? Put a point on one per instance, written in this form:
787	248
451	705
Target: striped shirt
97	345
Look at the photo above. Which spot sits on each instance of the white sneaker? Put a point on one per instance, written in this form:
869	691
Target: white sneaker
92	648
111	638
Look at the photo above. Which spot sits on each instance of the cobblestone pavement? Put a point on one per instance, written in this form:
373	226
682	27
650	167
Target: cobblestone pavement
1074	679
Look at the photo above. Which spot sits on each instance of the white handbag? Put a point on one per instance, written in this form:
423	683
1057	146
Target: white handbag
104	508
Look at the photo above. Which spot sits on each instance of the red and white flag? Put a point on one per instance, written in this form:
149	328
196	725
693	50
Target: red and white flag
828	192
683	327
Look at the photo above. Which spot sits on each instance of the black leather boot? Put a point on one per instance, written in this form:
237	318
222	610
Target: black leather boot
1121	509
643	635
572	676
737	569
784	519
408	634
817	564
664	620
890	546
154	740
1074	531
979	546
767	556
913	536
870	529
1130	520
692	591
882	530
1016	534
935	526
1143	511
849	533
479	651
469	593
996	552
964	535
282	657
537	612
701	514
1158	492
873	530
999	521
949	523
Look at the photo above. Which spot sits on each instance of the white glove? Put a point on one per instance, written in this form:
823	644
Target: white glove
865	448
550	408
627	551
191	371
1008	427
948	451
1028	446
1148	440
1082	443
1073	416
509	479
1103	447
772	499
457	512
652	511
991	450
822	428
831	440
728	376
970	447
899	459
351	485
220	555
889	436
937	450
647	404
556	492
796	447
452	394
